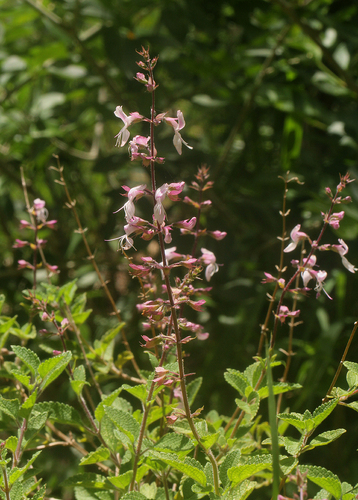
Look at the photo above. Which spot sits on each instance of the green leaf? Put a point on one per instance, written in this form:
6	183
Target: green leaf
22	378
79	381
94	457
16	473
11	443
323	478
322	412
50	369
190	467
124	422
80	318
279	388
230	461
138	391
121	481
107	401
88	480
27	405
193	389
133	495
59	412
351	366
237	380
325	438
82	493
295	419
10	407
177	443
252	466
28	357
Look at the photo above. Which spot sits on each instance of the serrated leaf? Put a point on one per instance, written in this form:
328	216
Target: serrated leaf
88	480
11	443
133	495
351	366
82	493
123	480
177	443
230	461
322	412
253	465
138	391
209	440
28	357
27	405
292	446
192	389
279	388
325	438
51	368
59	412
190	467
10	407
16	473
106	401
323	478
295	419
124	422
237	380
36	421
96	456
22	378
78	385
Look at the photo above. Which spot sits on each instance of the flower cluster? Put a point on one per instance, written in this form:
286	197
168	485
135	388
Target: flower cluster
307	267
39	215
160	300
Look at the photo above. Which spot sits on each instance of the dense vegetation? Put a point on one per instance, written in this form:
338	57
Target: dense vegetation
266	88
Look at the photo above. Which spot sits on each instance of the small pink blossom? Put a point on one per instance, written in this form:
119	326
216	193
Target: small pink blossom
209	259
334	219
20	243
123	134
284	313
23	264
178	124
188	224
296	236
217	235
40	210
129	207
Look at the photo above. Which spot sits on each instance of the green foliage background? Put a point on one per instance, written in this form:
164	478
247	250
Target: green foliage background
265	87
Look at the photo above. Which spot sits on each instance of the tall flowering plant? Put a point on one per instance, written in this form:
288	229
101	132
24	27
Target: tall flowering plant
137	431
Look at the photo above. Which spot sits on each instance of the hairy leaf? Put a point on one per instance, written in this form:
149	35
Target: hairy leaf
323	478
50	369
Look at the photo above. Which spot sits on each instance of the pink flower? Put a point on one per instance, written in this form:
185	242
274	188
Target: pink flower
178	124
334	219
123	134
159	212
296	236
271	279
209	259
284	313
40	210
342	249
217	235
23	264
187	224
20	243
128	207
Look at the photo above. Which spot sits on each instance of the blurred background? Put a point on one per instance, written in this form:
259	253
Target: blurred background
266	87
